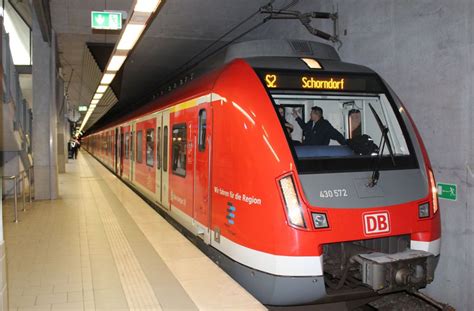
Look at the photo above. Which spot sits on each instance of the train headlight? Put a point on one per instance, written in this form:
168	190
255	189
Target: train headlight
433	191
292	202
424	210
320	220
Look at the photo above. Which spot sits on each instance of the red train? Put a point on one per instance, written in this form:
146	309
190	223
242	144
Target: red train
228	156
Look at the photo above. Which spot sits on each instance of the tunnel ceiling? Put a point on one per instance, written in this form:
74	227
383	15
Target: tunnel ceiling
181	29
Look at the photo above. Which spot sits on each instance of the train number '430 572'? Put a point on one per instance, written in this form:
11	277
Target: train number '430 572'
333	193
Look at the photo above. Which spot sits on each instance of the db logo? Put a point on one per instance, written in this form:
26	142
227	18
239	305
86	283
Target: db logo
375	223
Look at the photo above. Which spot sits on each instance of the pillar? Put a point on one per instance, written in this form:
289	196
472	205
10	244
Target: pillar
44	115
62	120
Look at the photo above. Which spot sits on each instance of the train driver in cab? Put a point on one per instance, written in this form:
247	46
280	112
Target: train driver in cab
318	131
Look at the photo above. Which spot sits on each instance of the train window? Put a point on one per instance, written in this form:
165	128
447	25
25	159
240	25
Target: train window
121	145
127	143
104	143
139	146
150	139
165	148
158	148
202	130
178	150
112	141
342	132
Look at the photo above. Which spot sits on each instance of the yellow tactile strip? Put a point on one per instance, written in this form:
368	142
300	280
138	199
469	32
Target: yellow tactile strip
85	259
208	286
138	291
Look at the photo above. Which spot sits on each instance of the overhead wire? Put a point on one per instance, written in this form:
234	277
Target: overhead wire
221	37
184	68
291	4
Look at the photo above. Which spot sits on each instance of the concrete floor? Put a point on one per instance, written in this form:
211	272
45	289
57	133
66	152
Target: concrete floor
101	247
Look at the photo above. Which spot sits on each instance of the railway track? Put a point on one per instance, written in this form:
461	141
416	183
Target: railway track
402	301
406	301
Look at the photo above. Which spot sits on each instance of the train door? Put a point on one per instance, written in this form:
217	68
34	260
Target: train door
133	129
116	144
159	156
125	170
202	152
165	200
121	150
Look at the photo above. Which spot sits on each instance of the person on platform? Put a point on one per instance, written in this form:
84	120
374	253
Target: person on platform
318	131
74	148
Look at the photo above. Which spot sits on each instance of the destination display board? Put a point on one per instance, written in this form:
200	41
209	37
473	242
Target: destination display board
321	82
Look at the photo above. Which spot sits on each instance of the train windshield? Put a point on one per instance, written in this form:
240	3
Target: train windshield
342	131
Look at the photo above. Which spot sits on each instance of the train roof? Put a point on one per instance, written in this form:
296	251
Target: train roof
281	55
296	64
280	48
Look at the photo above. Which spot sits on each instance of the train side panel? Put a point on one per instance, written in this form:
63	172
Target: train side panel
249	154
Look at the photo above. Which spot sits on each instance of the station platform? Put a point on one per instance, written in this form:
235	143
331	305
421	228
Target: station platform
101	247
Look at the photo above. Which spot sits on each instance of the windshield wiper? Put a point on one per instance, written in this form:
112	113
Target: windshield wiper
384	140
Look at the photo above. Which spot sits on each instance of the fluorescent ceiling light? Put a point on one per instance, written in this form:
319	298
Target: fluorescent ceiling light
102	88
130	36
107	78
116	62
146	6
312	63
98	96
94	101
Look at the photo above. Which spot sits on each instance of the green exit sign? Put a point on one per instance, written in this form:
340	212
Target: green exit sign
448	191
106	20
82	108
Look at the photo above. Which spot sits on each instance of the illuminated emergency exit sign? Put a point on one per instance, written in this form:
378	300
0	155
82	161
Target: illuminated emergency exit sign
447	191
106	20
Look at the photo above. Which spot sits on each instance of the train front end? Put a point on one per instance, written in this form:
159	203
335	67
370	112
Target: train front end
368	201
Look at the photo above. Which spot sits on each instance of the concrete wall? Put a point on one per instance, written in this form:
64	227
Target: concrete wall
424	49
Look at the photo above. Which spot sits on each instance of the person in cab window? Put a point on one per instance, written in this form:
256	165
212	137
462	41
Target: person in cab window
354	123
294	142
288	125
318	131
